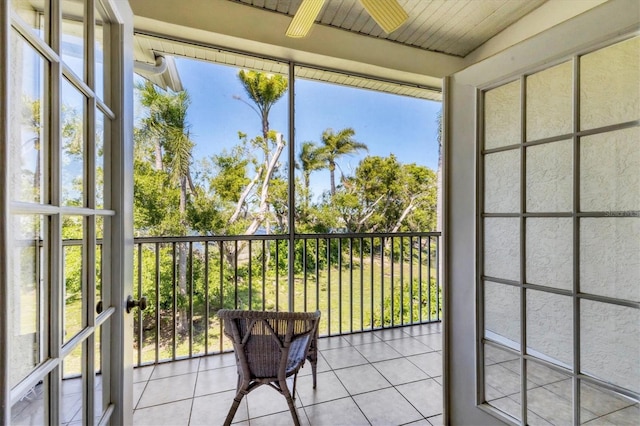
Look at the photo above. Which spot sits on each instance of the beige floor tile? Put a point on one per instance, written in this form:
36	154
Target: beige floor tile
436	420
142	374
169	389
336	413
410	346
380	351
218	380
391	334
430	363
553	408
362	338
266	400
171	414
400	371
629	416
213	409
328	388
138	388
280	419
425	396
175	368
321	366
362	378
343	357
434	341
332	342
217	361
386	407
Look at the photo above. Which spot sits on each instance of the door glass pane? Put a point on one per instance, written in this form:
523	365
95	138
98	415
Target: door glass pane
502	116
26	297
30	408
502	380
609	90
610	407
609	178
550	252
550	102
99	259
549	178
73	115
33	13
502	314
610	343
71	396
550	327
73	36
610	257
99	404
99	149
502	248
502	182
28	120
73	266
549	396
101	34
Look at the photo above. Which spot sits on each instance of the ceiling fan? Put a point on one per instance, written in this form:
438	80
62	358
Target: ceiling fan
387	13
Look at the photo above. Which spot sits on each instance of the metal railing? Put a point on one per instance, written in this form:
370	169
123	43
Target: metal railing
360	282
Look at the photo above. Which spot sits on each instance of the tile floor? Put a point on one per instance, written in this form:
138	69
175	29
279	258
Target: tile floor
387	377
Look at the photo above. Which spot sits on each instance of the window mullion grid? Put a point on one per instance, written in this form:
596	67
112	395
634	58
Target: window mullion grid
55	226
480	390
522	240
90	221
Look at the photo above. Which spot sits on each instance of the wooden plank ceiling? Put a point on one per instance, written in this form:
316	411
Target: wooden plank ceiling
454	27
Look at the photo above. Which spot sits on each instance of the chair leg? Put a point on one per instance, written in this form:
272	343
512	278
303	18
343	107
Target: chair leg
292	406
234	407
314	367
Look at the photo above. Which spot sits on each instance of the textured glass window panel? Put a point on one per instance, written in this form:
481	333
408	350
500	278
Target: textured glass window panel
610	85
502	248
502	182
549	177
550	327
550	102
99	159
73	36
612	408
73	116
71	389
26	296
610	171
549	255
34	14
502	116
502	380
28	121
610	343
549	395
610	257
30	408
502	314
73	274
99	260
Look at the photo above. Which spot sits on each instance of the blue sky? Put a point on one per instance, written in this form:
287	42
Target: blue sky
387	123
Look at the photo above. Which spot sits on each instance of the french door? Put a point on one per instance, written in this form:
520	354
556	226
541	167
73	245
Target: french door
63	271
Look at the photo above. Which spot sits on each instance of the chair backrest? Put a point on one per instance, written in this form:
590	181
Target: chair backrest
270	344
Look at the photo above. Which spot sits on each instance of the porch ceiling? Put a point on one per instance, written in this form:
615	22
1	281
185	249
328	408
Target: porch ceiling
452	27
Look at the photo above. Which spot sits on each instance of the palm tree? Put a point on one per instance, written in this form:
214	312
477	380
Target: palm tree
167	124
337	145
264	90
311	158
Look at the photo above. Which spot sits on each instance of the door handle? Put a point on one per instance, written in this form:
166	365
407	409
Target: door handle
140	303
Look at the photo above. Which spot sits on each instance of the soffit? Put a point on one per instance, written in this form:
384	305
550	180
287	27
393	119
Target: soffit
148	47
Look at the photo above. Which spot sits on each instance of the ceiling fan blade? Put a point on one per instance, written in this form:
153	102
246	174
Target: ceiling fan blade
387	13
304	18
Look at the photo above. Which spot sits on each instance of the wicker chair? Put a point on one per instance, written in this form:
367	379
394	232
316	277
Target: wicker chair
269	347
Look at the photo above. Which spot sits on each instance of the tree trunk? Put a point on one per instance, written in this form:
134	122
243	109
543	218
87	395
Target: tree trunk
182	325
332	170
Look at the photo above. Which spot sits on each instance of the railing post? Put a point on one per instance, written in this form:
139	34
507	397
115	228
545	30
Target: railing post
292	193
